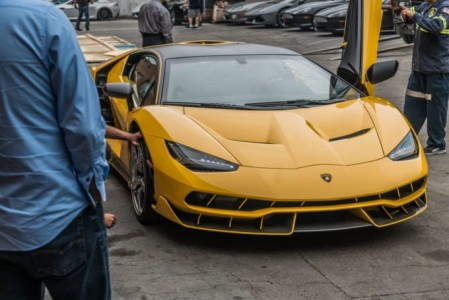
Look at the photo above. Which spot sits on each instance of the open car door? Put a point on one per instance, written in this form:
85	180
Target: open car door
360	43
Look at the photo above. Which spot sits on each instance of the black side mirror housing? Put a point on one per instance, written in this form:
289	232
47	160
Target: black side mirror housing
382	71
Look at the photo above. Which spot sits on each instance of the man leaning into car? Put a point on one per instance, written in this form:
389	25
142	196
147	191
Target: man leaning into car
155	24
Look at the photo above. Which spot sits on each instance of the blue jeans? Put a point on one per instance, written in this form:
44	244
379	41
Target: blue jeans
72	266
427	98
83	10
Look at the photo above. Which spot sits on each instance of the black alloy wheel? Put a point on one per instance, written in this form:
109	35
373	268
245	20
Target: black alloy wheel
142	184
104	14
280	22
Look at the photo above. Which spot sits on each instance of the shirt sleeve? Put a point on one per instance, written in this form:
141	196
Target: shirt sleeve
77	104
166	25
435	24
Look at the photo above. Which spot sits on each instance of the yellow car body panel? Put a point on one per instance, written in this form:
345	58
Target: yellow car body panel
372	11
261	171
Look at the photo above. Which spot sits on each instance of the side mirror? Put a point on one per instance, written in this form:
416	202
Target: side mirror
382	71
118	90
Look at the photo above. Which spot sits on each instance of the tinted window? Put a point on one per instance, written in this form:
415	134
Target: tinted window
248	79
144	79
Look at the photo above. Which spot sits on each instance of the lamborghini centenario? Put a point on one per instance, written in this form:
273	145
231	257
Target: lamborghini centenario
254	139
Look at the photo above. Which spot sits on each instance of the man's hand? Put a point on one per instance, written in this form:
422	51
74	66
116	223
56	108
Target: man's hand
115	133
168	39
407	12
109	220
134	138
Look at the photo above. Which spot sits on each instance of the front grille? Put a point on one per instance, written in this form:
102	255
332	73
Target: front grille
287	223
276	223
244	204
383	215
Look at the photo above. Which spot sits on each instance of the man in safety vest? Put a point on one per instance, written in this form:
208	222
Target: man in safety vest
428	87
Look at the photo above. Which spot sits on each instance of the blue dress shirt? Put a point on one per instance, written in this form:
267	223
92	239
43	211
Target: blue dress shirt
51	130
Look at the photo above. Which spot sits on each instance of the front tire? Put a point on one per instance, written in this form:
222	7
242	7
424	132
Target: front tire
280	22
104	14
142	185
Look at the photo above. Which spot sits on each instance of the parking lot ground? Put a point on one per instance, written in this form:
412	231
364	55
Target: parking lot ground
407	261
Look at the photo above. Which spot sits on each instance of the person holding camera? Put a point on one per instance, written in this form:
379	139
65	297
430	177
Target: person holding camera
427	91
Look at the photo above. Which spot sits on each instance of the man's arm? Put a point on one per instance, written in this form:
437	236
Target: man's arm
115	133
166	26
435	24
77	105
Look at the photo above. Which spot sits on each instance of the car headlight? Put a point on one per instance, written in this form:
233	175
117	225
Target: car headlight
199	161
407	148
302	11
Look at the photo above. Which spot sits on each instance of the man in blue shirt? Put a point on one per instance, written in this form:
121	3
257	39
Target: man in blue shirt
52	160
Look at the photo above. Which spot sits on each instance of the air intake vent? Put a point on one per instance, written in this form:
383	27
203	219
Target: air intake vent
205	42
351	135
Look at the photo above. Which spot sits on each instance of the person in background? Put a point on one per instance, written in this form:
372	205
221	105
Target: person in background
83	9
193	13
52	160
154	23
114	133
428	86
200	17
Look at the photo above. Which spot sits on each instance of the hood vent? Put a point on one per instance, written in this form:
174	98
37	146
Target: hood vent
351	135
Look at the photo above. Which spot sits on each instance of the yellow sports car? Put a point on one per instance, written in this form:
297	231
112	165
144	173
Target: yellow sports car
254	139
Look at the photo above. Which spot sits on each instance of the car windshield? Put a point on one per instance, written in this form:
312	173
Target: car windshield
246	80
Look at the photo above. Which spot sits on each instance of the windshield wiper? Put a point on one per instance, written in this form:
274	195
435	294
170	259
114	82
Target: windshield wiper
223	105
181	103
295	103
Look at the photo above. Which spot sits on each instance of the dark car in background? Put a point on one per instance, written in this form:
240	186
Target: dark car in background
302	16
333	19
177	8
271	13
235	13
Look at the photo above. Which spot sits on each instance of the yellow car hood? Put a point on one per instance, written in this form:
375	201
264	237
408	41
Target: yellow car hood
294	138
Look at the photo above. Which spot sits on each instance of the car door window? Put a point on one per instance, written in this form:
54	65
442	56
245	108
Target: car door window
144	81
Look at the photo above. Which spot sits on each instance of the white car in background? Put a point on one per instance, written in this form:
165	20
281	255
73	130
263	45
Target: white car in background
98	10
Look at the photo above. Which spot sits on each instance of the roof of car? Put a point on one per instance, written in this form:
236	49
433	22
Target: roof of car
217	48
